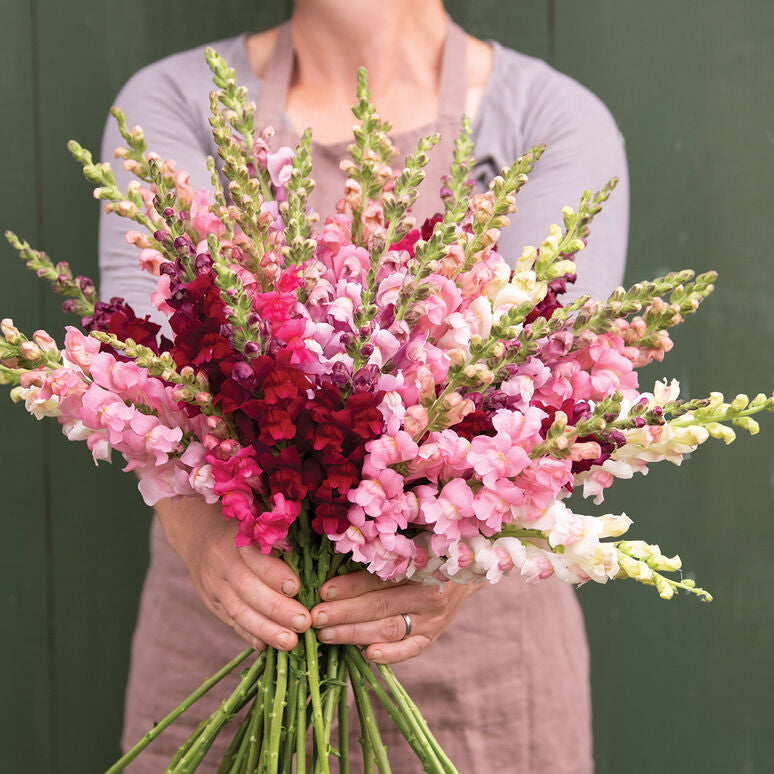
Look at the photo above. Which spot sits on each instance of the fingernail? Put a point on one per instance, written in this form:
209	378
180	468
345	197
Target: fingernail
289	588
331	593
283	639
299	622
326	635
321	619
377	654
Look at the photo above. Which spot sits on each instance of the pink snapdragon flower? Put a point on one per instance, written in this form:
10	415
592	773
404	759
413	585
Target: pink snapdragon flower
442	455
271	527
542	482
496	457
390	449
279	165
204	221
373	494
451	512
151	261
80	349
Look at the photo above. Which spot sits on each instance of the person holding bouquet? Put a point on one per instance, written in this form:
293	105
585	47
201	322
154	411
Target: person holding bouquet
503	678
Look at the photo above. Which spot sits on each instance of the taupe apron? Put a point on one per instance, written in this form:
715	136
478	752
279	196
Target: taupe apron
505	688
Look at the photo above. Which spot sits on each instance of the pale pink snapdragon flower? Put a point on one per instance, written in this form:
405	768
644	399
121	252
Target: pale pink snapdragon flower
450	513
391	448
496	457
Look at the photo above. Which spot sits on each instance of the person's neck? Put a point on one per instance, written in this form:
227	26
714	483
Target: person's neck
398	41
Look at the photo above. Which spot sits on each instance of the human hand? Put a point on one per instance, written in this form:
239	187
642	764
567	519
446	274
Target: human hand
362	609
249	591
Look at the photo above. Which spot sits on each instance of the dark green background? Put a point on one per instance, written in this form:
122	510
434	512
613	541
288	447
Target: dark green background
678	687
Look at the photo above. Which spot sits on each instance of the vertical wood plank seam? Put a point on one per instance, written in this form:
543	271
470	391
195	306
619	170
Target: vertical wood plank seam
48	546
551	24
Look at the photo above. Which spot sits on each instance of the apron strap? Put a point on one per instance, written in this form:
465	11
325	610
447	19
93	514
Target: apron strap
454	73
276	81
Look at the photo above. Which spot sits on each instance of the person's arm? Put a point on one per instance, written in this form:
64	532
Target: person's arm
161	98
584	149
245	589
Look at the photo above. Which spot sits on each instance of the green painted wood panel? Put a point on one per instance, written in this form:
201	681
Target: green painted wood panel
682	686
523	25
25	665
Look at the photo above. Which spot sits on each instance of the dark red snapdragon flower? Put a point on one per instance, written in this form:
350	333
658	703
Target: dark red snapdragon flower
118	318
551	302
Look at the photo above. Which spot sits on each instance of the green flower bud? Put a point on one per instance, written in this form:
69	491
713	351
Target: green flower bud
722	432
664	588
739	403
749	424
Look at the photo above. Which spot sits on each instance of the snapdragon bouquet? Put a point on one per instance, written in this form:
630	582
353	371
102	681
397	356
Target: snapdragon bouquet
357	393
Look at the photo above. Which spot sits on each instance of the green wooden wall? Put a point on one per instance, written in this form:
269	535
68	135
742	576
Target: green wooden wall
677	686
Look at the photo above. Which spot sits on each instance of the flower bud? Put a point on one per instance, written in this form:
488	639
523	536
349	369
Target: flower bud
30	350
715	400
457	357
739	403
664	588
526	260
415	420
18	394
10	331
748	424
44	341
614	525
722	432
182	393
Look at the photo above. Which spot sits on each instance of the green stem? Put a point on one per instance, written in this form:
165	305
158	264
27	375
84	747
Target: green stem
183	749
186	746
301	723
415	717
245	743
343	722
722	415
290	712
256	730
277	711
365	741
218	719
335	564
233	748
120	764
368	723
333	689
266	695
310	643
409	731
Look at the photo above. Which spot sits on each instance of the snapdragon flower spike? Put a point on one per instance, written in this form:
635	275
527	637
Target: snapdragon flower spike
80	291
669	429
458	184
20	355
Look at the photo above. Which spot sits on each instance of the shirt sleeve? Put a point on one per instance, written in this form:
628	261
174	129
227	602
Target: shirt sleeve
160	99
584	149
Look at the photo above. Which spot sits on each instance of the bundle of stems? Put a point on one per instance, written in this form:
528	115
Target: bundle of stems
293	699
